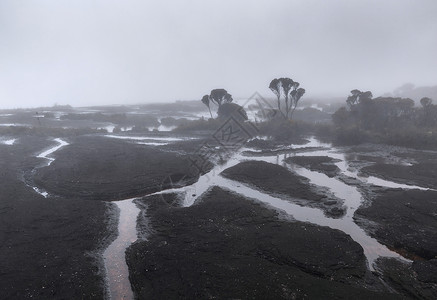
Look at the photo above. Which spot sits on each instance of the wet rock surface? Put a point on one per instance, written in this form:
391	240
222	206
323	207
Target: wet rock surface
406	221
408	280
426	270
49	247
100	168
421	174
323	164
282	150
226	246
398	164
268	144
282	182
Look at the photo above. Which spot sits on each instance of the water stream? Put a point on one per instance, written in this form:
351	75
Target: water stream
350	194
114	256
46	155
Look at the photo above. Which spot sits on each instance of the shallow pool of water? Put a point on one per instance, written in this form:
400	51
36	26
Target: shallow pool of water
8	142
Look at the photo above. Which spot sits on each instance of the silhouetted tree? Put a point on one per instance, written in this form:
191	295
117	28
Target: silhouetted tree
296	94
429	114
220	96
276	87
357	97
289	90
426	102
205	100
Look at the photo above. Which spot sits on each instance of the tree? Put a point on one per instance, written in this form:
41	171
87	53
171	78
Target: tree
205	100
429	112
426	102
289	90
220	96
296	94
275	86
357	97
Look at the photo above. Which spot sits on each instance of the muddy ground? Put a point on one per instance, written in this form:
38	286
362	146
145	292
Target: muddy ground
226	246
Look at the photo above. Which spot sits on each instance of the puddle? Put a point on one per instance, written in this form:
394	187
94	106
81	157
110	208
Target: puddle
108	128
152	143
145	138
14	125
114	256
162	128
9	142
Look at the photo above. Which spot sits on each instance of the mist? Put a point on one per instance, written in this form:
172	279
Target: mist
111	52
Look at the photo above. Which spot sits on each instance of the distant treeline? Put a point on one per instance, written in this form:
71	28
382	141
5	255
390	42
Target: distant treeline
386	119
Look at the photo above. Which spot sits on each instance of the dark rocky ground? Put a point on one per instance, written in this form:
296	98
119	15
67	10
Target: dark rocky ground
398	164
49	248
101	168
406	221
421	174
323	164
280	181
280	150
416	281
226	246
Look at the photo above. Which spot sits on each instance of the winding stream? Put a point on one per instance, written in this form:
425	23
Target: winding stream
114	256
350	194
46	155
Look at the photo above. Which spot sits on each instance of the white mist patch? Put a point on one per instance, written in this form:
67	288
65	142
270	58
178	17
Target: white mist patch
115	257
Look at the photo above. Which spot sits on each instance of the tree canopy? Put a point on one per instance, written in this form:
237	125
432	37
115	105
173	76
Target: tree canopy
218	97
288	91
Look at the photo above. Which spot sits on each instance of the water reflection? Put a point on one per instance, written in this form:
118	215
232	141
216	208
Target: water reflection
114	255
349	194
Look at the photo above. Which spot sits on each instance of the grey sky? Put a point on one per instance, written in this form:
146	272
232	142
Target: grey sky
86	52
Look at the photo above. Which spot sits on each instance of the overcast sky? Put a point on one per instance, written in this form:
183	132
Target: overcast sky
87	52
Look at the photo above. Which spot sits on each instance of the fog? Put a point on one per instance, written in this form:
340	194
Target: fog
86	52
